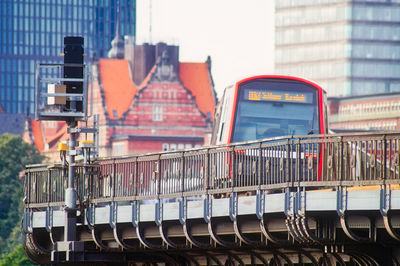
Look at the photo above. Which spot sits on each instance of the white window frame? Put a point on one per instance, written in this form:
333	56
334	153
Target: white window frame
157	113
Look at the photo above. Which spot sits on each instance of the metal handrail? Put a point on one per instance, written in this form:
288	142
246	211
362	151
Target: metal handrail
306	162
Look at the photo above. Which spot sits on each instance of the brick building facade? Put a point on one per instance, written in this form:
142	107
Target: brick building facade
147	101
369	112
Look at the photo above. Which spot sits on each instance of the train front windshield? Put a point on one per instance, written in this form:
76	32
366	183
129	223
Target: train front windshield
271	108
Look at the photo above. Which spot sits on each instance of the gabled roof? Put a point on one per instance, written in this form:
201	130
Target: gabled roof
195	77
147	79
45	139
118	88
61	133
37	134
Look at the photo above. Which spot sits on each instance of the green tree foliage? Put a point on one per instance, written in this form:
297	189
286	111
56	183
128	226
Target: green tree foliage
15	154
15	258
13	240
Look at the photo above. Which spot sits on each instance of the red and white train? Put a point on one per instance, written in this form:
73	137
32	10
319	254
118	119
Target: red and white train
269	106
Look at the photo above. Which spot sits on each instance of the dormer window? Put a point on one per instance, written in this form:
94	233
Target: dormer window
115	113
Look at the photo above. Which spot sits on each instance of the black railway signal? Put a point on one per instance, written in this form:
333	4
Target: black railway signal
73	68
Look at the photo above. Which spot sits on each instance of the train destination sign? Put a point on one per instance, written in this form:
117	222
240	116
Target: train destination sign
277	96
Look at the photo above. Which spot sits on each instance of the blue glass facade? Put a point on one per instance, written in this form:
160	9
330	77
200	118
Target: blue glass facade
350	47
33	31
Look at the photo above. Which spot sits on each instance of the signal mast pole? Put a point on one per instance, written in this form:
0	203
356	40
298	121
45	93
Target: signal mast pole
66	100
73	69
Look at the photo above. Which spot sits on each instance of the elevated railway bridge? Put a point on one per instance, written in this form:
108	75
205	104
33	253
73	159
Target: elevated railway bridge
304	200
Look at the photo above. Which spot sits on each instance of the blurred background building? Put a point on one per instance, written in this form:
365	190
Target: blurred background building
146	101
348	47
33	31
365	112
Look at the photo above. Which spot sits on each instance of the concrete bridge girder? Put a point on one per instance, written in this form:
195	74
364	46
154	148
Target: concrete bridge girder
230	226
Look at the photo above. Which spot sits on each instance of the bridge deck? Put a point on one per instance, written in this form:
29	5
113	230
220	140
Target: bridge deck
260	201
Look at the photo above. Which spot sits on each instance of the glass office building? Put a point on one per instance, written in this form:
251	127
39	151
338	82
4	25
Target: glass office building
33	31
348	47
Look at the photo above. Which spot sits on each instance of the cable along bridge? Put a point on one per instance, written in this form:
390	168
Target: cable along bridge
305	200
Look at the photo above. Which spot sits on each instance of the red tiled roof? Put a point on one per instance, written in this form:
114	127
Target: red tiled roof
118	88
37	135
60	132
195	77
146	80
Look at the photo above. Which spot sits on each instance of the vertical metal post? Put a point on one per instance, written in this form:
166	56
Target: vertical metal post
37	91
384	153
70	193
259	171
206	169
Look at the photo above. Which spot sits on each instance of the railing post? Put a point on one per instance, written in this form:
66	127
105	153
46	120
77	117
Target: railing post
27	187
340	159
48	186
135	177
287	168
384	153
231	168
259	165
206	169
113	182
158	175
298	161
183	173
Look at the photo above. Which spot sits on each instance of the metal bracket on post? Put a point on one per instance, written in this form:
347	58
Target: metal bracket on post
260	204
385	195
341	210
113	214
290	212
182	210
207	205
289	204
91	214
233	206
159	212
49	219
341	201
300	203
135	213
27	221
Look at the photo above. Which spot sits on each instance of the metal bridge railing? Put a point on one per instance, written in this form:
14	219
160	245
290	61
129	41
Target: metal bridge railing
305	161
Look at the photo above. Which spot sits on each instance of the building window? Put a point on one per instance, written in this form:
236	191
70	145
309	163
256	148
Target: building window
173	147
165	146
118	148
157	113
188	146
